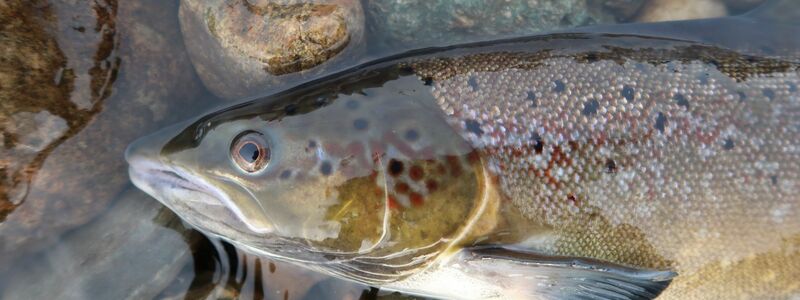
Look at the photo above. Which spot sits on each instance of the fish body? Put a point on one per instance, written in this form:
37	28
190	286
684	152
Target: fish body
565	165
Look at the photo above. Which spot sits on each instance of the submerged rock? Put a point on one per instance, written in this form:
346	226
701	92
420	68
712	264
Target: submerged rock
673	10
133	251
412	23
243	48
79	80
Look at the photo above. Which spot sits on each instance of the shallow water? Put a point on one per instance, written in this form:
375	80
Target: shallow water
72	225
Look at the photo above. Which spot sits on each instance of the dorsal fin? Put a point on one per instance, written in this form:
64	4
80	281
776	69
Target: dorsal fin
778	11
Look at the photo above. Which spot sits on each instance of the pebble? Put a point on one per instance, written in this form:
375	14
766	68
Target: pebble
673	10
245	48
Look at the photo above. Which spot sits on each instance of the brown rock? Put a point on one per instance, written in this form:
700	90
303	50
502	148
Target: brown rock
673	10
243	48
85	79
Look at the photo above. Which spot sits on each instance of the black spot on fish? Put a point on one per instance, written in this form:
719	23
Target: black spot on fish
714	63
312	144
742	96
352	105
290	109
728	145
395	167
326	168
558	86
590	107
473	83
751	59
769	93
411	135
681	100
360	124
661	122
427	80
627	92
320	102
670	66
532	98
286	174
703	78
406	70
474	127
792	87
592	57
538	145
774	179
611	166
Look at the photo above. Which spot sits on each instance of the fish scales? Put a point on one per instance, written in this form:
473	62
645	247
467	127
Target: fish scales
623	152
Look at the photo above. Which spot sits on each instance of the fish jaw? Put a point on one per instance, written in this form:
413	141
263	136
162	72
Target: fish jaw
190	195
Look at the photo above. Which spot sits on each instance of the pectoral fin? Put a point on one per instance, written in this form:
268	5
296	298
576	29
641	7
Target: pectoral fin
527	275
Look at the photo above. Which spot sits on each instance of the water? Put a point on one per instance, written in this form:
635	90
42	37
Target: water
85	80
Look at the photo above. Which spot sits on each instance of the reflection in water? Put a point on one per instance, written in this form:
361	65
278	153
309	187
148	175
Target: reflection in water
220	271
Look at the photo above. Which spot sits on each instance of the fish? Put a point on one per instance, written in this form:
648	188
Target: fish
611	162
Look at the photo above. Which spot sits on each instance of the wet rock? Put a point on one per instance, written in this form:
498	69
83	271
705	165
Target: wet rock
243	48
133	251
415	23
673	10
79	80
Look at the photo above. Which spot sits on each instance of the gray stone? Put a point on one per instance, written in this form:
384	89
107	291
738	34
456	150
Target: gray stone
92	76
132	251
414	23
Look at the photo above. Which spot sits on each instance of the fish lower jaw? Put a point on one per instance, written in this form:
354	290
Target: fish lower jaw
172	185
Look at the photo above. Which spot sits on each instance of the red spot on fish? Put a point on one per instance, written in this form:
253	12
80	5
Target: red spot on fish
401	188
572	200
378	191
454	165
393	202
473	157
416	199
416	173
432	185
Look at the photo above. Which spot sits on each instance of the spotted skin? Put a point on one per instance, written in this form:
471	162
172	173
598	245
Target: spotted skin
678	156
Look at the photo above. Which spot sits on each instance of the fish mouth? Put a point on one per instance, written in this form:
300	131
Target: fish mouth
194	198
164	183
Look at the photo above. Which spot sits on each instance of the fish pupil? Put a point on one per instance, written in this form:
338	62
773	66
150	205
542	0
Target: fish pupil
249	152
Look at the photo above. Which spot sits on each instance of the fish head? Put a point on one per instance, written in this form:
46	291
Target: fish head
347	180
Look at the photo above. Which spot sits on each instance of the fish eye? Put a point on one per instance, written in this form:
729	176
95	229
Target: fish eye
250	151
